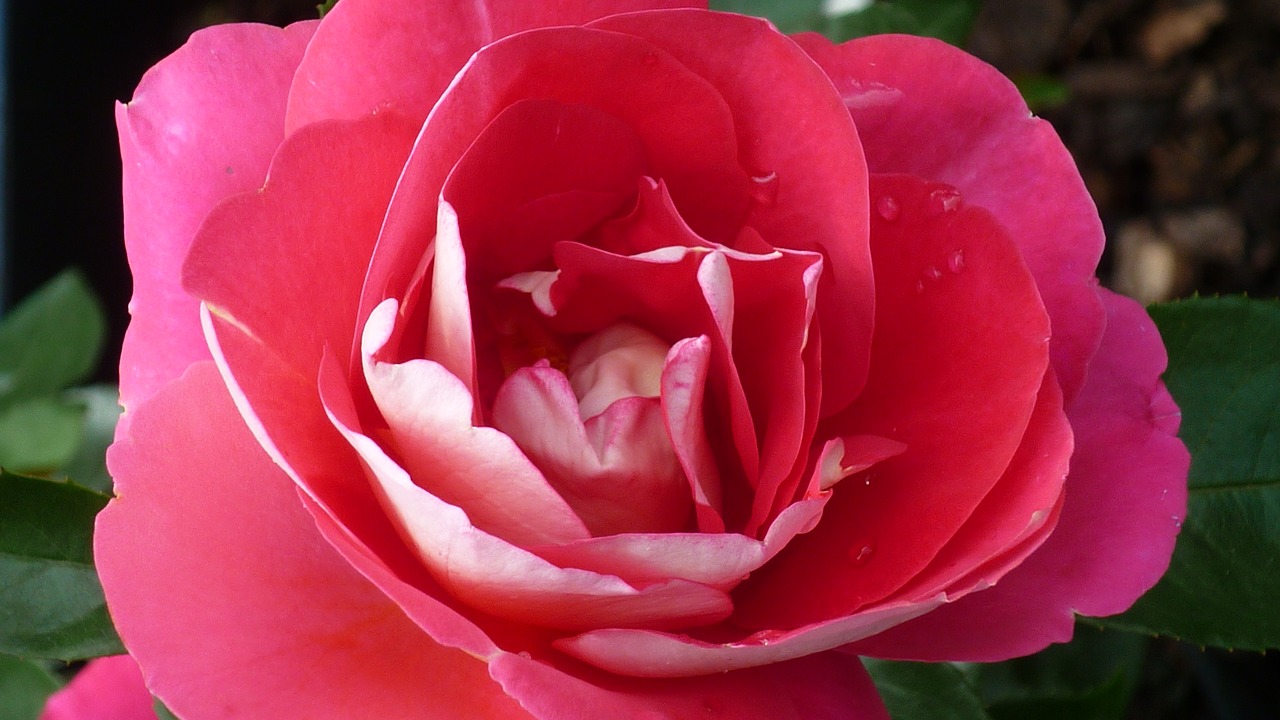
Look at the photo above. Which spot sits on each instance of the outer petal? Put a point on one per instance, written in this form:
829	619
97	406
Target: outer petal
402	54
959	355
926	108
1117	528
232	602
202	126
287	262
821	687
108	688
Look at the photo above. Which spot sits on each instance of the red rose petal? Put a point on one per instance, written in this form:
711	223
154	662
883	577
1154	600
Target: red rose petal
496	577
794	136
1021	504
960	353
823	687
202	126
926	108
682	122
274	624
287	262
656	654
109	688
428	411
1117	528
542	172
371	55
617	469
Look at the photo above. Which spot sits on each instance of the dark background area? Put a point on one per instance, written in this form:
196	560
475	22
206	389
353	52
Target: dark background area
1172	110
68	62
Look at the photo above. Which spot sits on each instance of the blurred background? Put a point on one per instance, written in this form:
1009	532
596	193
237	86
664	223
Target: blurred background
1170	107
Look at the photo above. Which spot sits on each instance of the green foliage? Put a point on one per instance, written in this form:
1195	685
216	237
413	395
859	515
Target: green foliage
1090	678
162	712
51	604
40	434
947	20
24	688
324	7
925	691
1224	371
790	16
1042	92
51	340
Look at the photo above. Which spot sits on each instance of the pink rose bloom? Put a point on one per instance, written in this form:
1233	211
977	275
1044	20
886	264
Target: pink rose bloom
610	359
108	688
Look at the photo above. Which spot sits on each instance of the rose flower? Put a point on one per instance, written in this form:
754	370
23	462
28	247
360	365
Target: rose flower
610	360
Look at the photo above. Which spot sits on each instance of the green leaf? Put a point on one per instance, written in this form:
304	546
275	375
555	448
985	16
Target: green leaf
51	603
1223	583
947	20
40	434
1090	678
925	691
1042	92
162	712
1105	702
791	16
51	340
101	408
24	688
324	7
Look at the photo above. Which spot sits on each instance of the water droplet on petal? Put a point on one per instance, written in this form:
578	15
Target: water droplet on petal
713	705
943	200
955	261
888	208
919	287
649	59
932	273
859	554
764	188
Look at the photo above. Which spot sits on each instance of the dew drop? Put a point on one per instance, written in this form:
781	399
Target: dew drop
526	654
932	273
649	59
919	287
888	208
943	200
860	554
955	261
713	705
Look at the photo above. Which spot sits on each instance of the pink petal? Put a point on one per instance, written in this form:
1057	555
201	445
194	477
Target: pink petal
617	470
655	654
824	687
926	108
720	560
681	121
1021	505
684	380
809	154
449	337
202	126
959	357
542	172
108	688
230	600
1117	528
287	262
479	469
374	54
495	577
